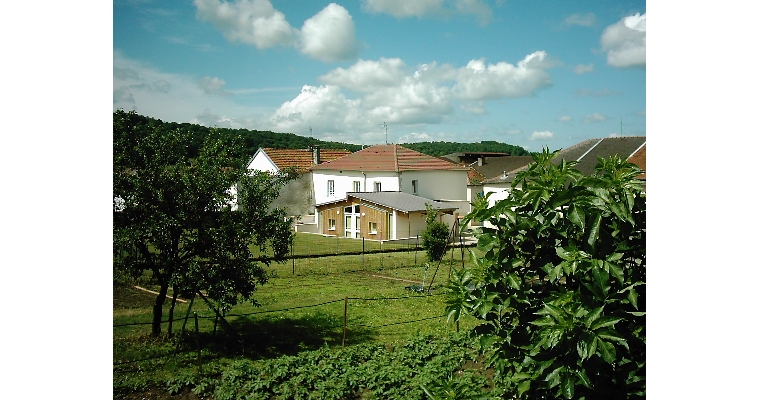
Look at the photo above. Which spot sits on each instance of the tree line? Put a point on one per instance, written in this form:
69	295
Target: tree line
253	139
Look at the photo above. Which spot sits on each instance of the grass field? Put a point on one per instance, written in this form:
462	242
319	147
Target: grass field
298	311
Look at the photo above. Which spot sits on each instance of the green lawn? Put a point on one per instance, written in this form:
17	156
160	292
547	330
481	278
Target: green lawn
297	312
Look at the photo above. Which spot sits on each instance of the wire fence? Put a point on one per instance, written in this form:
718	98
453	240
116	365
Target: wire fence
307	245
312	254
195	340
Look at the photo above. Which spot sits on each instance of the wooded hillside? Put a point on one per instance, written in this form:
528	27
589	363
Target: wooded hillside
255	139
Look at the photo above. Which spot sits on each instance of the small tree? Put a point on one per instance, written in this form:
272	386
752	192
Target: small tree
560	289
172	214
435	237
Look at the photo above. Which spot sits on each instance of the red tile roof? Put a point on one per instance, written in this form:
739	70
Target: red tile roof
302	159
389	157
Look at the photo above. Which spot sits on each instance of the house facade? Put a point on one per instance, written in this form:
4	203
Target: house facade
392	181
379	216
297	196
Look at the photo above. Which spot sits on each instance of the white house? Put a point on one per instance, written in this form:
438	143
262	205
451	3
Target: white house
296	197
407	180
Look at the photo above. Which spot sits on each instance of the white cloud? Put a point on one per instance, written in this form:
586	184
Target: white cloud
324	106
368	75
412	102
328	36
581	19
414	137
213	85
625	42
434	8
386	90
173	97
595	117
565	118
477	81
581	69
403	8
542	135
349	104
253	22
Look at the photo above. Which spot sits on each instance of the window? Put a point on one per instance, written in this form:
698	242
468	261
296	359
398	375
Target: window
330	188
414	186
331	224
377	187
357	186
373	228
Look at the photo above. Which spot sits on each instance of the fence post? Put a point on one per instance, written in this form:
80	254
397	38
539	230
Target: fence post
345	319
362	253
292	251
198	342
416	246
381	254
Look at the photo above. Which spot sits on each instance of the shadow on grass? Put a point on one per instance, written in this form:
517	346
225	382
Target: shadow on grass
272	337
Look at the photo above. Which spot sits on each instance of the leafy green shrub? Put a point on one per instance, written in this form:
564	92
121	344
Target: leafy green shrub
561	287
435	237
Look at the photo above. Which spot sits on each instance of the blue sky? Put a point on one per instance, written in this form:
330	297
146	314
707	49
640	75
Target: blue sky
533	74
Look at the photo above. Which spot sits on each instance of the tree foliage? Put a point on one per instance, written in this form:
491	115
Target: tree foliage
443	148
172	215
560	289
435	237
253	139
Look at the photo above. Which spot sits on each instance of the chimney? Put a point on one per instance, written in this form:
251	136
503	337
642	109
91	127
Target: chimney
315	154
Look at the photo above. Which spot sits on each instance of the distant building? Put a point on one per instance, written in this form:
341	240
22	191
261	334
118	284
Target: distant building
380	192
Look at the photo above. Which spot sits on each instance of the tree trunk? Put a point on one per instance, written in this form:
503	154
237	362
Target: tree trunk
171	310
158	309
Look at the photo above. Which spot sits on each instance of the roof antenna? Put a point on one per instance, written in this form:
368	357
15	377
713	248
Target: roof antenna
386	132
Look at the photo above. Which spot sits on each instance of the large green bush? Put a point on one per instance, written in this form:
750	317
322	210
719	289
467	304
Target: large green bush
435	237
561	287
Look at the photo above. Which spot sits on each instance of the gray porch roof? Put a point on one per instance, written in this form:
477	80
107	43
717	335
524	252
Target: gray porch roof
398	201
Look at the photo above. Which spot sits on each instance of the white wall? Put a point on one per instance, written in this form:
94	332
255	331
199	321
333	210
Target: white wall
409	227
500	191
344	183
262	163
388	181
436	185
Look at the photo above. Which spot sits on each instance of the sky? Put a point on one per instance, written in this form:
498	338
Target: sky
532	73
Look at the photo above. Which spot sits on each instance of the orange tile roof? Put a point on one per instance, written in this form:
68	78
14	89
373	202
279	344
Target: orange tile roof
640	159
301	159
389	157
